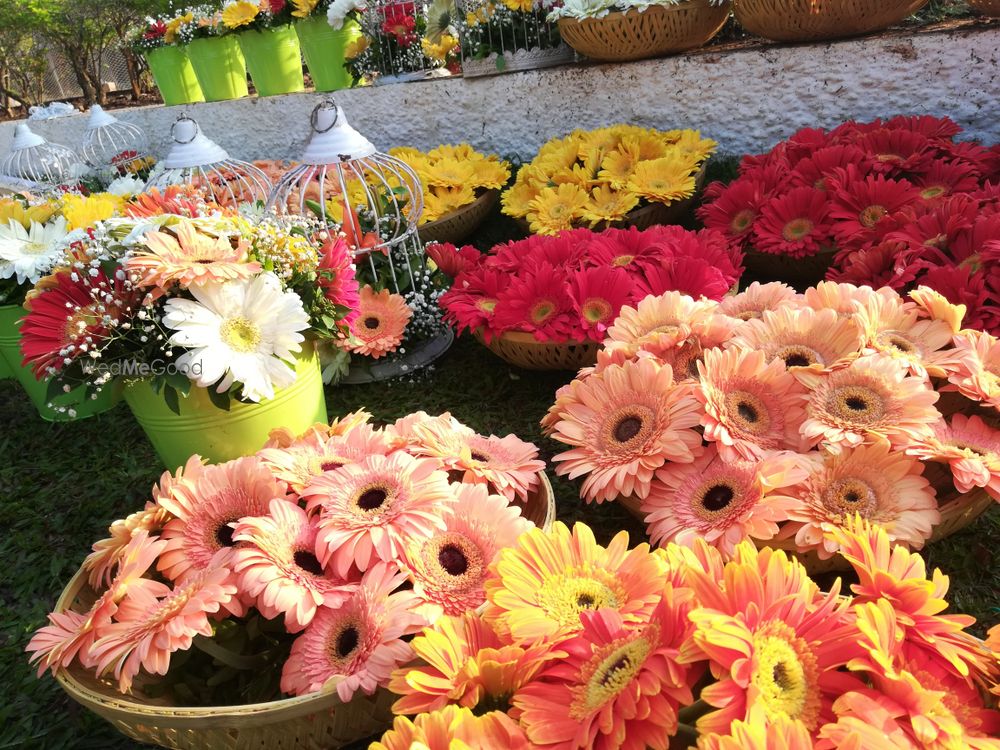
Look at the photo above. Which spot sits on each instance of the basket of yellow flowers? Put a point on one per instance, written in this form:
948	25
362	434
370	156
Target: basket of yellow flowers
460	185
622	175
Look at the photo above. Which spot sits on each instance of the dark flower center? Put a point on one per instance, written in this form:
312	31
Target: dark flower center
347	641
371	323
224	534
308	562
372	499
852	497
747	412
797	360
585	601
453	560
620	664
627	429
780	675
855	403
479	456
718	497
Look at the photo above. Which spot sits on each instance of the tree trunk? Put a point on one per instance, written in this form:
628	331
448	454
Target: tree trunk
81	70
133	73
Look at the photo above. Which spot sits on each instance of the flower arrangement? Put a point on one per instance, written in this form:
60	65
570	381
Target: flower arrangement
453	177
588	646
580	9
195	22
572	287
778	416
302	568
240	15
598	177
152	34
494	30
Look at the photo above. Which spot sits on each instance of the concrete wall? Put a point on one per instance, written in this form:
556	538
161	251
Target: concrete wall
746	99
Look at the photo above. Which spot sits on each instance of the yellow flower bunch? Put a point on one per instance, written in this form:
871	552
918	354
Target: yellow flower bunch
304	8
83	211
453	176
13	208
239	13
356	46
597	177
441	49
174	25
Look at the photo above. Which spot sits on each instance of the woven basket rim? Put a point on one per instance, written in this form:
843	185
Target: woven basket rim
489	195
526	338
657	10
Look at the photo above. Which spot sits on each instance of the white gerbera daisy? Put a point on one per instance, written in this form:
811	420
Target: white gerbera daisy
126	185
238	331
30	253
337	13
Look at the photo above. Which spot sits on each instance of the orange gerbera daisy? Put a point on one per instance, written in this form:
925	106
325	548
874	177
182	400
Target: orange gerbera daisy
723	502
844	298
620	685
772	640
448	568
282	437
893	330
381	323
180	254
970	447
752	406
453	728
624	423
871	400
760	732
975	371
874	481
537	589
757	298
107	554
466	663
802	337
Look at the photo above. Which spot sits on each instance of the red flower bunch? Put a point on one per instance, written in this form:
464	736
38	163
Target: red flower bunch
571	287
276	6
400	22
155	30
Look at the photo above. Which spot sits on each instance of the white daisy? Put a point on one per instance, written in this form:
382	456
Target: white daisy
126	185
337	13
239	331
30	253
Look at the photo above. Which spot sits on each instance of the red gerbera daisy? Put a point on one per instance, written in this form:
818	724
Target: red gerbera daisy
598	295
815	169
735	210
938	128
944	179
452	261
336	276
795	224
537	303
695	277
630	248
897	151
472	299
859	204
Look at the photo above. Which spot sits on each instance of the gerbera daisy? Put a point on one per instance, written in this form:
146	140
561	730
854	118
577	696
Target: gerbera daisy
278	566
871	400
624	423
463	661
892	330
931	304
733	213
368	510
695	277
897	152
357	646
882	485
858	205
28	254
620	685
148	629
816	169
658	324
404	433
795	224
845	299
107	554
451	260
752	406
335	274
664	180
179	200
756	298
206	502
538	588
472	299
243	331
537	302
554	209
773	641
720	501
381	323
628	249
598	295
975	371
944	179
607	205
760	732
448	569
453	728
971	448
802	337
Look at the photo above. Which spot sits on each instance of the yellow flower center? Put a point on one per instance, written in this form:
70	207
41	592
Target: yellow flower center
741	221
596	310
541	311
563	596
34	248
486	305
622	260
796	229
609	671
933	191
785	674
240	334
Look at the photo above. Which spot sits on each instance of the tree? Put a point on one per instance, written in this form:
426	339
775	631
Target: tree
22	58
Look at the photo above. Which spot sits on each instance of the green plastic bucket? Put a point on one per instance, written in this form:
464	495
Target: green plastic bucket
74	405
323	48
273	60
218	435
174	76
5	372
219	65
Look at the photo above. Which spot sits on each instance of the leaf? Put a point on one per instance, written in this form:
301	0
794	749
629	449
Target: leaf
501	63
219	400
170	396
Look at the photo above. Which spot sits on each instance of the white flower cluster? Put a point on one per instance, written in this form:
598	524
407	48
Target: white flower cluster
581	9
338	11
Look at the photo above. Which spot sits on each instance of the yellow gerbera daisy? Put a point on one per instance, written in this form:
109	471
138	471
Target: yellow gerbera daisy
663	180
240	13
618	165
85	211
691	143
441	49
555	209
449	173
490	173
607	204
517	200
25	215
303	8
356	47
459	152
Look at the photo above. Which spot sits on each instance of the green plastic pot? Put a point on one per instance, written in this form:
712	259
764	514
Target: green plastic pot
5	372
66	407
174	76
273	59
218	435
220	67
323	48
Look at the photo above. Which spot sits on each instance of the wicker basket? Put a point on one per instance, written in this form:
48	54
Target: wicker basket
525	351
794	21
989	8
308	722
460	223
797	272
656	31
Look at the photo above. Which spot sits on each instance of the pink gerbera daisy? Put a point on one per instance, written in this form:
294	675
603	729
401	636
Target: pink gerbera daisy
368	510
795	224
357	646
720	501
752	406
756	298
882	485
624	423
278	566
970	447
106	555
818	340
537	302
406	432
843	298
336	275
598	295
659	324
381	323
892	330
975	371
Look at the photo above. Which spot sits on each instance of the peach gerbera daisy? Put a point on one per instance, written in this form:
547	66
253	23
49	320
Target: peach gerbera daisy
453	728
370	509
278	566
180	254
802	337
150	628
357	646
449	567
463	661
620	685
720	501
107	553
538	588
624	423
871	400
402	434
757	298
381	323
752	406
282	437
933	305
773	641
975	371
970	447
880	484
658	324
892	330
206	503
760	732
844	298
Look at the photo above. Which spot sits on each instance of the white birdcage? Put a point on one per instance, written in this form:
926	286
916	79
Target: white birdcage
112	145
199	161
34	160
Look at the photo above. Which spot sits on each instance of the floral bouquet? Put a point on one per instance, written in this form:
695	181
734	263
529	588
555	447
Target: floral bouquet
573	286
303	568
495	30
586	646
599	177
776	417
152	34
851	195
